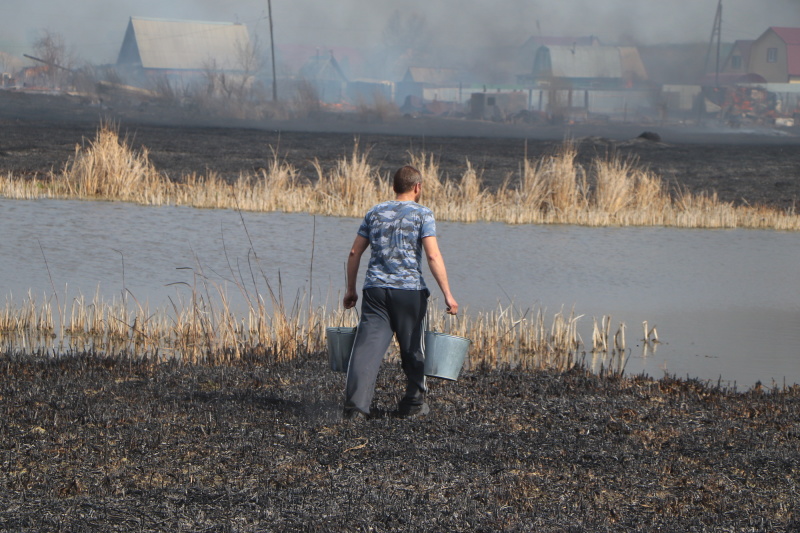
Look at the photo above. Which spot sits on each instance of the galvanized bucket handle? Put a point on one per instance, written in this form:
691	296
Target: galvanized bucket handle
446	322
341	321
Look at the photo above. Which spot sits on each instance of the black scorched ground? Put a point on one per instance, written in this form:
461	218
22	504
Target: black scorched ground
99	444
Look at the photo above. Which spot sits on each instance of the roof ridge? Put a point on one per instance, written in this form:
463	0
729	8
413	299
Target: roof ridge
789	35
185	21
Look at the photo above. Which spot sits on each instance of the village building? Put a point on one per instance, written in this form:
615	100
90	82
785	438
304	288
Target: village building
180	49
573	82
527	52
587	67
759	80
738	61
775	55
326	76
422	85
291	58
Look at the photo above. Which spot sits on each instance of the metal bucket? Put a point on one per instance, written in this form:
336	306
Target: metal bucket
444	355
340	344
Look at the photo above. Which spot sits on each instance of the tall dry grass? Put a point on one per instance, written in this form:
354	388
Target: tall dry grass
107	168
553	189
201	328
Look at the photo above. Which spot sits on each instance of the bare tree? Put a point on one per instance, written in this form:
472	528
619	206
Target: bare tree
249	63
51	50
234	92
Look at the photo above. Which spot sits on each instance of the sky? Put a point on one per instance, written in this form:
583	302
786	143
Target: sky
93	29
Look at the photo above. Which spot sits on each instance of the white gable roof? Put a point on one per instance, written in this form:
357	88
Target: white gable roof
183	45
585	61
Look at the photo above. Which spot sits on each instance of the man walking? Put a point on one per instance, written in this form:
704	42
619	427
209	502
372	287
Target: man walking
395	295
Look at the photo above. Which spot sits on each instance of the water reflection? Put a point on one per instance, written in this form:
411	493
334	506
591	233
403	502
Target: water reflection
725	302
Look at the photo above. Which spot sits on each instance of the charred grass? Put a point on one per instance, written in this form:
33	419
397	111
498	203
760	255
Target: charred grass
89	443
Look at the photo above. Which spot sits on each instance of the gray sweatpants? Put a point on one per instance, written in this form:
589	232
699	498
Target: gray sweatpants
387	312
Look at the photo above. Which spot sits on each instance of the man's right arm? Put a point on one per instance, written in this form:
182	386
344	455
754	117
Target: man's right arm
353	261
436	263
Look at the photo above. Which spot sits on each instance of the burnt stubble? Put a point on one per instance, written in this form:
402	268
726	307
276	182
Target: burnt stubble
98	444
91	443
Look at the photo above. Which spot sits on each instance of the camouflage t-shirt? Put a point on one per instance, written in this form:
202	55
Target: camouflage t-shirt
395	231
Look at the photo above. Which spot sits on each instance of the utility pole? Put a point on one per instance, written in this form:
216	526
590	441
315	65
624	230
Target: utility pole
272	51
716	31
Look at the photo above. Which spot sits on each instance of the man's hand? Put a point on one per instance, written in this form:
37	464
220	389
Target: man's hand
452	305
350	299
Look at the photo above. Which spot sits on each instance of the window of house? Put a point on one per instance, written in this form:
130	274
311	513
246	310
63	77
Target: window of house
772	55
736	62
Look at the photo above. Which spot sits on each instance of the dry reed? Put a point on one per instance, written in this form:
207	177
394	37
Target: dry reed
553	189
202	329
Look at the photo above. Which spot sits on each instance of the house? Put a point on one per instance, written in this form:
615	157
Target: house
327	78
431	77
578	83
586	67
775	55
738	61
428	84
180	47
293	57
733	69
527	52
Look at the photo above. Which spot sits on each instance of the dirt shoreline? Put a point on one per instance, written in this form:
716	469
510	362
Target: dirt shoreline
39	134
92	444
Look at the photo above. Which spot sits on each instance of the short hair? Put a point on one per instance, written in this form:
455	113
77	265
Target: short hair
405	178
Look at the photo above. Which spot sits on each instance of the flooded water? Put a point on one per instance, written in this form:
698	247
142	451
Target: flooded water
726	303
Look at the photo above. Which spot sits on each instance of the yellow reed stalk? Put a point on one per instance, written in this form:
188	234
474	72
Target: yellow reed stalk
22	189
534	188
614	185
428	166
78	317
350	188
562	174
553	189
109	169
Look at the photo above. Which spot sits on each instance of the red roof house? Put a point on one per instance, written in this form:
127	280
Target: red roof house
776	55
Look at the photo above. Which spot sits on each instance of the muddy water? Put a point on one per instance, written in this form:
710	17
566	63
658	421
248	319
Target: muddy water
726	303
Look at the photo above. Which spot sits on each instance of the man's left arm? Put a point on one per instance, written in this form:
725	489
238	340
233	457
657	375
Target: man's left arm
436	264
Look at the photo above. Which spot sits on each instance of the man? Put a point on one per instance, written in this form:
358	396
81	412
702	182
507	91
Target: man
395	295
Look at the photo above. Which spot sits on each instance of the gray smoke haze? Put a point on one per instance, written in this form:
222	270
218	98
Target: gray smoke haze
93	29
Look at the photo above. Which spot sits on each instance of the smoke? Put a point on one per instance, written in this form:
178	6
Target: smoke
94	28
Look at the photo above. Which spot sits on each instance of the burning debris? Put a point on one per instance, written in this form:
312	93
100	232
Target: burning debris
747	105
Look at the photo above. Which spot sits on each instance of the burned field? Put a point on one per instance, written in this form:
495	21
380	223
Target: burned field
93	444
39	134
111	444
